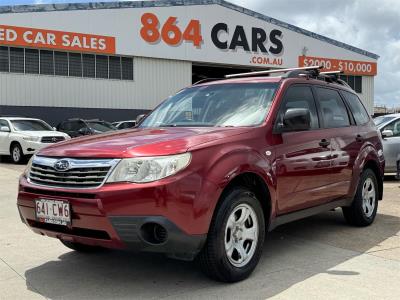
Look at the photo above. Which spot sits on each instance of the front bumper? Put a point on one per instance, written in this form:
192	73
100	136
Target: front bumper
113	215
29	147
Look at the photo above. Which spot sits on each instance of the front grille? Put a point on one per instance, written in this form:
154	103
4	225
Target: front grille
80	173
52	139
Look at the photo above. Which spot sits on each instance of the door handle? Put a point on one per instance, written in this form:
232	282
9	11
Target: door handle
359	138
324	143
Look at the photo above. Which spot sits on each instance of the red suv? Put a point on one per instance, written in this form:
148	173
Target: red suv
211	170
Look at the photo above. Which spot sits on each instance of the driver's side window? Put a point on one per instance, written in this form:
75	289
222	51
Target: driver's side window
300	97
394	127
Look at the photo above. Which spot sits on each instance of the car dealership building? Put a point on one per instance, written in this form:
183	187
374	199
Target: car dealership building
116	60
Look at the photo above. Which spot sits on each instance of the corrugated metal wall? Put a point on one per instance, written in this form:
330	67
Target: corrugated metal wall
367	95
154	80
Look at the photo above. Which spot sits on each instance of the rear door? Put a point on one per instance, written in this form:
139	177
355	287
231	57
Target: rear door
342	132
303	158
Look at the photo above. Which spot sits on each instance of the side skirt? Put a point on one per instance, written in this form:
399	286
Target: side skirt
304	213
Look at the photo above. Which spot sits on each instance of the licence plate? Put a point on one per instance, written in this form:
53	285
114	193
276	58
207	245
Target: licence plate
53	211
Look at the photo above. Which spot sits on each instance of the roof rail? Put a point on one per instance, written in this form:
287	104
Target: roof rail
258	73
206	80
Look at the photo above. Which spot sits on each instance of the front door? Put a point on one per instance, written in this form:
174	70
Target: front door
303	158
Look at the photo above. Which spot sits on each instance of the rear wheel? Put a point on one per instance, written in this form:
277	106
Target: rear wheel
17	155
363	210
235	239
81	247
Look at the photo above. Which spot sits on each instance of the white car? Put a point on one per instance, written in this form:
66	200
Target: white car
24	136
124	124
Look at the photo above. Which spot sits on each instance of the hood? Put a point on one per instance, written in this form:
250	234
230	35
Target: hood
41	133
139	142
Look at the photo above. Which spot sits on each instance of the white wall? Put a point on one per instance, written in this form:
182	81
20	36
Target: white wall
154	80
367	95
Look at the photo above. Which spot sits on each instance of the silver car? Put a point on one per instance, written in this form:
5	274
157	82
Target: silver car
389	125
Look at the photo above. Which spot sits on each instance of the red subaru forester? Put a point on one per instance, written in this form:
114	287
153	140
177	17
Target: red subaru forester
211	170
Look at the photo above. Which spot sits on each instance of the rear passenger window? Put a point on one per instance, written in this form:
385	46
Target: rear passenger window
360	114
300	97
333	110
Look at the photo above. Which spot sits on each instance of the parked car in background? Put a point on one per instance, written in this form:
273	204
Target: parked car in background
124	124
389	125
20	137
80	127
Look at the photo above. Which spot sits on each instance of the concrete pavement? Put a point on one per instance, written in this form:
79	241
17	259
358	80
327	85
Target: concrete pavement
317	258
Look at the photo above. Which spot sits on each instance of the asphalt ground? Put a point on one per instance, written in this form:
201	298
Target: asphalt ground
320	257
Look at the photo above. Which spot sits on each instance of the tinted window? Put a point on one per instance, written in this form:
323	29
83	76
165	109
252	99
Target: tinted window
126	125
394	126
382	119
75	64
46	62
127	68
30	125
333	110
89	65
31	61
101	66
115	67
101	126
360	114
300	97
17	60
4	66
61	63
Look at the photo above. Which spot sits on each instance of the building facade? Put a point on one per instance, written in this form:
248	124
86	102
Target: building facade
117	60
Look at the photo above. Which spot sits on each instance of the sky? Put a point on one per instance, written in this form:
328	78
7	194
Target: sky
372	25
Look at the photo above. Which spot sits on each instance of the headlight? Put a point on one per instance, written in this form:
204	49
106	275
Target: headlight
32	138
28	166
147	169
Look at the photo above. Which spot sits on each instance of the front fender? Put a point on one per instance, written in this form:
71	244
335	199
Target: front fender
224	165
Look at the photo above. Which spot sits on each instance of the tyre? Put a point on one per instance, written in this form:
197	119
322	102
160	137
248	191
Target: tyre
235	238
81	247
363	210
17	155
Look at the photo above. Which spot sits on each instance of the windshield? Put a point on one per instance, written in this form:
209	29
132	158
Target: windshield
30	125
101	126
245	104
380	120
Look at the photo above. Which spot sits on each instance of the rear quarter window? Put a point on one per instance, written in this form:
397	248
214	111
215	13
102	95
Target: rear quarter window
357	109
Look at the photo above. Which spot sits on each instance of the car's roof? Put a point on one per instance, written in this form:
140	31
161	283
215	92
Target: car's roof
18	118
396	115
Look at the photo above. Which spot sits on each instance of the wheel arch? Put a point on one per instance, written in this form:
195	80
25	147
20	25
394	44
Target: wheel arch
256	184
373	165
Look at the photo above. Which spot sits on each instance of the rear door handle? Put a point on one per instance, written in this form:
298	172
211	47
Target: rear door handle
324	143
359	138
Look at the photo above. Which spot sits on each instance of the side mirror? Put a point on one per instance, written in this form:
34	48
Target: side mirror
5	129
296	119
387	133
139	118
54	129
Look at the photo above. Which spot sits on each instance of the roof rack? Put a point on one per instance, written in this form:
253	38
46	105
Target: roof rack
206	80
258	73
311	72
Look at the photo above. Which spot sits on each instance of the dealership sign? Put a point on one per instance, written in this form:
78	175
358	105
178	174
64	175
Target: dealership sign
53	39
197	33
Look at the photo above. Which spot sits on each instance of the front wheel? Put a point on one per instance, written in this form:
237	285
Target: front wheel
363	210
235	239
17	155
